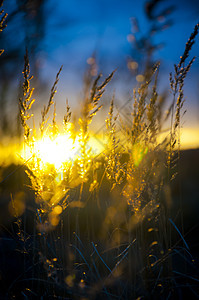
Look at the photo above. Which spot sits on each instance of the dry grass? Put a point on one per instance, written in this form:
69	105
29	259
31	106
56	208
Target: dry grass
100	227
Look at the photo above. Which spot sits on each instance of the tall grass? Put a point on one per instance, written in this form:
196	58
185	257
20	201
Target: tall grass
100	225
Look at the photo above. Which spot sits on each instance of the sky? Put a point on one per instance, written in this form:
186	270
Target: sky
77	29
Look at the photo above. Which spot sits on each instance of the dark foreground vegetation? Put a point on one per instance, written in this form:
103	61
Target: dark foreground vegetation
85	257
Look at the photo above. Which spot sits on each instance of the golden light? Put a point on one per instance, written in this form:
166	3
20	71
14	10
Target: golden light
57	150
63	148
97	144
189	138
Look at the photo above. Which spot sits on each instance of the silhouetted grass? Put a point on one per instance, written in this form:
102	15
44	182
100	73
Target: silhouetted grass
99	226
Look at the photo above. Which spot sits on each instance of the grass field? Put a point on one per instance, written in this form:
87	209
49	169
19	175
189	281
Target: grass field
86	216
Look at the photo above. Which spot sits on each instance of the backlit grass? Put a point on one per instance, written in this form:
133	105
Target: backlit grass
97	224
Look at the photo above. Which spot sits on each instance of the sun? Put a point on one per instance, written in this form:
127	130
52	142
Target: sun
52	150
56	150
59	149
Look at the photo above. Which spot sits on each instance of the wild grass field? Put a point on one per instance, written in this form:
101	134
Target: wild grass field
120	221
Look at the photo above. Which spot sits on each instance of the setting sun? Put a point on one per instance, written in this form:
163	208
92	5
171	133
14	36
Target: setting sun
57	150
60	149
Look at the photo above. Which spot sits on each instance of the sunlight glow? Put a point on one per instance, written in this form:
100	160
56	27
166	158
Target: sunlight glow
60	150
63	148
189	138
56	151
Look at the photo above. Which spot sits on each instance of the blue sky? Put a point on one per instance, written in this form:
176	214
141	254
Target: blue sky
76	29
86	25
